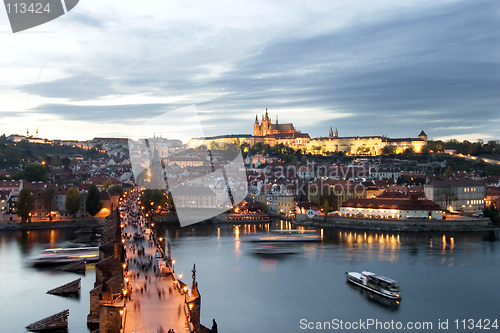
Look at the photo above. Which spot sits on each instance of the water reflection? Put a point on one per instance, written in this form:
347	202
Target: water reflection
268	265
277	283
28	300
383	302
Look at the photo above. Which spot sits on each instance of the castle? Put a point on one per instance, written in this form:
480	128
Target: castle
268	128
363	145
274	134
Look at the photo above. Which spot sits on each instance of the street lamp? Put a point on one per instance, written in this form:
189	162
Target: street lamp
173	263
180	276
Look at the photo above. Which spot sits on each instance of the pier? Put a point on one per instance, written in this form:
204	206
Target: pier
57	321
72	287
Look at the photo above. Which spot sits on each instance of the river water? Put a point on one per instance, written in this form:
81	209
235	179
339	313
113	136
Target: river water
444	277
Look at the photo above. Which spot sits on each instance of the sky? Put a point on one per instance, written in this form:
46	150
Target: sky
376	67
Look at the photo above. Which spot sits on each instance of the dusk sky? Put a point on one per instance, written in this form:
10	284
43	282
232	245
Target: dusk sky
366	67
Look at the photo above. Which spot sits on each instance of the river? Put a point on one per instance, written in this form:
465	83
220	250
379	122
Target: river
444	277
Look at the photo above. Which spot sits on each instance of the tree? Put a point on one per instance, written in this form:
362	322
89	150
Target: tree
25	204
245	148
408	152
73	199
492	213
263	205
55	161
32	173
93	201
66	161
48	200
118	189
170	203
214	146
107	184
389	150
74	161
303	159
326	208
448	173
257	148
447	195
152	199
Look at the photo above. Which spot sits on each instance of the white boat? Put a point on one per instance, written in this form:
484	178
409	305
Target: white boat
379	285
274	249
67	255
279	236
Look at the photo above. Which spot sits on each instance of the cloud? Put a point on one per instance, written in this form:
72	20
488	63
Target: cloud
114	114
85	18
429	66
76	87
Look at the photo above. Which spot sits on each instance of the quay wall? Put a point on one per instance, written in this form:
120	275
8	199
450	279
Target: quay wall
396	225
50	224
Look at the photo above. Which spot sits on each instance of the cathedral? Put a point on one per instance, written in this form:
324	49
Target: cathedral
266	127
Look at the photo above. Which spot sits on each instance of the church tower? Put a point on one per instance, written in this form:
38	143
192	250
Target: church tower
266	124
330	133
423	136
256	127
336	134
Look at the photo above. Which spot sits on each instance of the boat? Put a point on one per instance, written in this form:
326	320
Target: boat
274	249
387	303
279	236
64	255
377	284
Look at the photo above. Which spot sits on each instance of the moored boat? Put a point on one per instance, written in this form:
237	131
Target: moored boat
60	256
379	285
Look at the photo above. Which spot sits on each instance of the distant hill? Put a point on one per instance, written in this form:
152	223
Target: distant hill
15	153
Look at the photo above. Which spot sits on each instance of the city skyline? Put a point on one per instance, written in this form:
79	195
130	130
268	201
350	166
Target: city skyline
380	68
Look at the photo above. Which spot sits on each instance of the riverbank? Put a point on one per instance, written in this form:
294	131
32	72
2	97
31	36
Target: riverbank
463	225
52	224
398	225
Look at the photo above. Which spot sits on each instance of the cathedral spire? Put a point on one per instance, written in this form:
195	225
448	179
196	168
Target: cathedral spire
267	115
336	134
330	132
276	119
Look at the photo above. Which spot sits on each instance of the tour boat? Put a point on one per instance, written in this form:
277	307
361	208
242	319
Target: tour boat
274	249
379	285
279	236
60	255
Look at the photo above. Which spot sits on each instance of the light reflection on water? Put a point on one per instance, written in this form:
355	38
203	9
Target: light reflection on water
271	294
25	287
